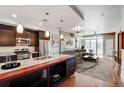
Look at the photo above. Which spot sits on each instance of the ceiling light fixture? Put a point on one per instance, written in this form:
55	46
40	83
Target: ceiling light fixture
61	36
77	29
19	28
40	24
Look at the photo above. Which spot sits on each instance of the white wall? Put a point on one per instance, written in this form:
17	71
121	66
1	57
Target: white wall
54	50
121	26
122	17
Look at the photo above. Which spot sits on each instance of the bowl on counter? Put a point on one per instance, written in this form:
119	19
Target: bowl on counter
10	65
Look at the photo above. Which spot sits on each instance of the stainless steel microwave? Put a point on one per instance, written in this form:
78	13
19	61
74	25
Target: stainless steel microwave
23	42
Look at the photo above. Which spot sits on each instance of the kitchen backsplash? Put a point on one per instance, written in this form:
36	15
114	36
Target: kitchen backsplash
11	49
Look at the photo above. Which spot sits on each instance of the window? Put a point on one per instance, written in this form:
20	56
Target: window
87	44
95	44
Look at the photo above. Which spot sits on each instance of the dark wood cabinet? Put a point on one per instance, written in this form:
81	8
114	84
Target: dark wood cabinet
7	35
25	34
42	36
29	34
33	37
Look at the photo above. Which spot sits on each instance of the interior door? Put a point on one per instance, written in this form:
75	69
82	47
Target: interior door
109	47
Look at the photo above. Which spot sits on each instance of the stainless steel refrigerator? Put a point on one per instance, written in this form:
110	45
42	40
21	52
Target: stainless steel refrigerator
44	47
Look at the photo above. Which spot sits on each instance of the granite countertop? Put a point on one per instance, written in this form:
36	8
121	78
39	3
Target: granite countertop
31	64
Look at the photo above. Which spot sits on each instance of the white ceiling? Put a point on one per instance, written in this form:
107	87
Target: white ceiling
30	16
94	22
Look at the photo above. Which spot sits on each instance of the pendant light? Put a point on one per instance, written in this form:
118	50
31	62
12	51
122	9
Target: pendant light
77	29
61	36
47	34
19	28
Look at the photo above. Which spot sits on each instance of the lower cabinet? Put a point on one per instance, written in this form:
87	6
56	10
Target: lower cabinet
71	66
36	78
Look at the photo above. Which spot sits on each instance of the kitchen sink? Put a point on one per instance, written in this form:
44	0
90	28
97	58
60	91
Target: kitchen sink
42	58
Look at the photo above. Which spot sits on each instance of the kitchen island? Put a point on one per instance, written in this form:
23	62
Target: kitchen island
38	72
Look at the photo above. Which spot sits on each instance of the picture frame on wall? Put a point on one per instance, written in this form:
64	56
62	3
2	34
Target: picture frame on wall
55	40
69	43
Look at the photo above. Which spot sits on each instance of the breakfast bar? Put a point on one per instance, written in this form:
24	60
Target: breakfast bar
39	72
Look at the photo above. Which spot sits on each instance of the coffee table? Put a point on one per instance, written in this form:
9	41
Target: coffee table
90	58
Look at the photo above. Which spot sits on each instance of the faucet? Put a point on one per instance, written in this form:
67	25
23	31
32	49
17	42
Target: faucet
8	58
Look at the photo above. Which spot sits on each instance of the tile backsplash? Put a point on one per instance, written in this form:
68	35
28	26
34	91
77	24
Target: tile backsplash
4	49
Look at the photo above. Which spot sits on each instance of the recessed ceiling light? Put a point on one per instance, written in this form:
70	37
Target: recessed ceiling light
14	15
102	14
40	23
61	20
45	20
47	13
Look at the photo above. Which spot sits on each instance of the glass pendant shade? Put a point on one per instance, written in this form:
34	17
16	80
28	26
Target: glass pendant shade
61	36
47	34
19	28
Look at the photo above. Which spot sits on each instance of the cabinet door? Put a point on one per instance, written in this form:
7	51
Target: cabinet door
8	37
30	34
33	38
25	34
71	66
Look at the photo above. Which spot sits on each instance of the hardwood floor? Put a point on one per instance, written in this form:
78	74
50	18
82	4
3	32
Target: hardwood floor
80	80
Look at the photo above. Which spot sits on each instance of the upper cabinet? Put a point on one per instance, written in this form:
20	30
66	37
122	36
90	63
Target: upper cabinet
42	36
33	37
25	34
7	35
29	34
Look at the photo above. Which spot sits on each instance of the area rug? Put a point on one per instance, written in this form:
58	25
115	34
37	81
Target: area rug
98	70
